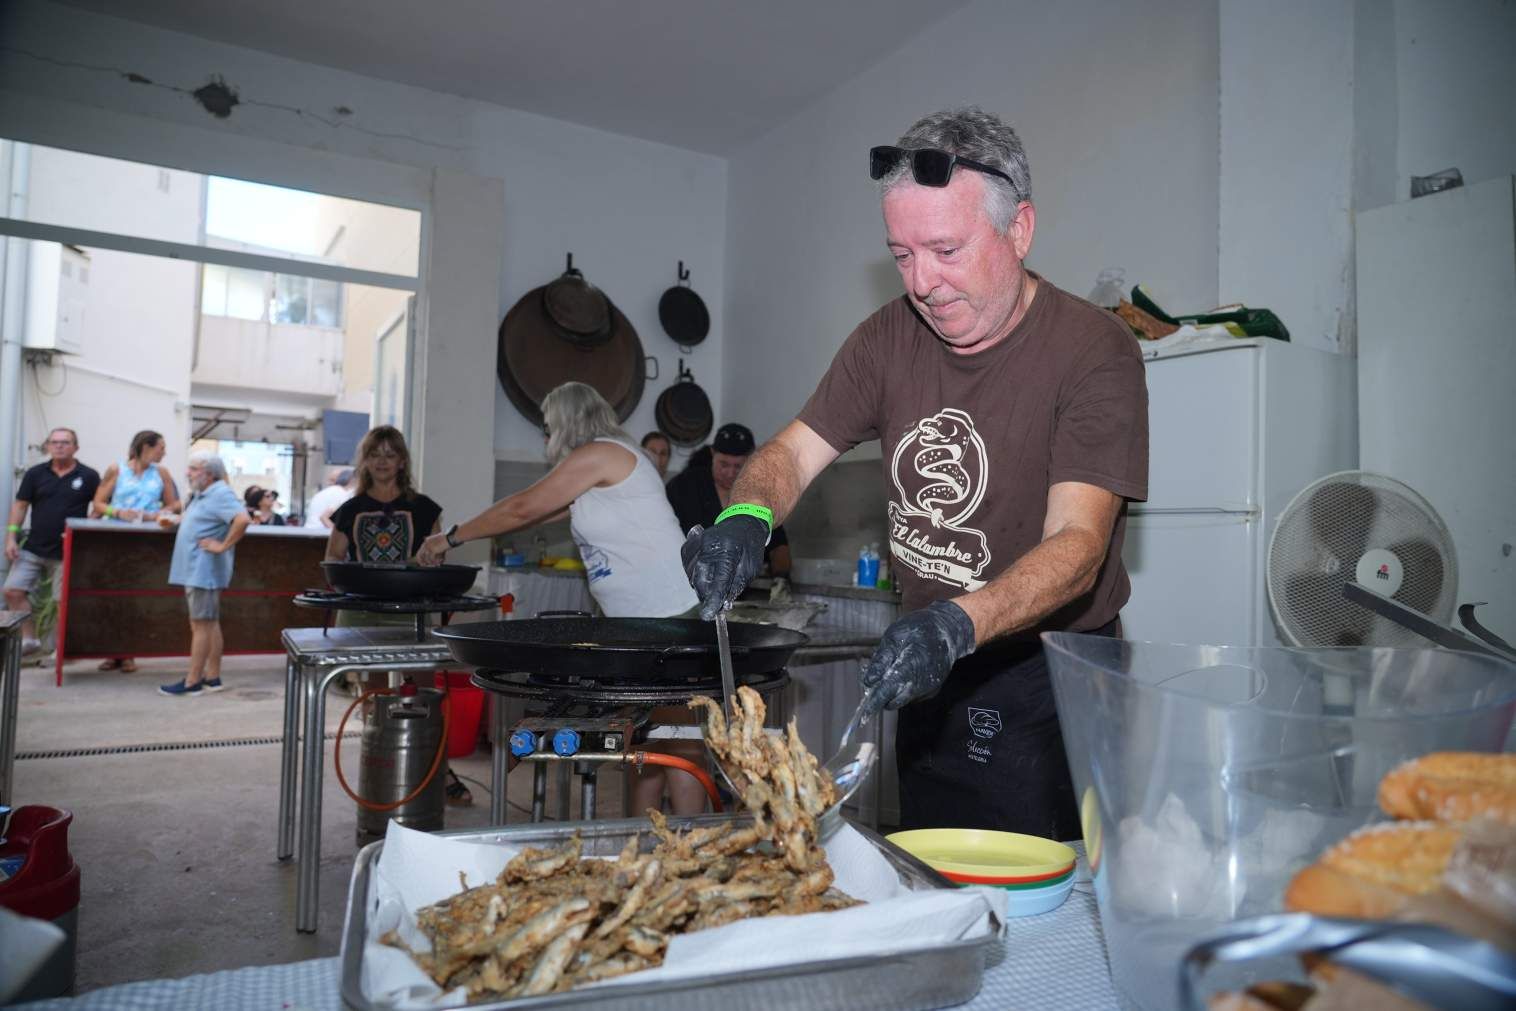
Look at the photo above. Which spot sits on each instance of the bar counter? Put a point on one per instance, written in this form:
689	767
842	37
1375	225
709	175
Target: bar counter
116	599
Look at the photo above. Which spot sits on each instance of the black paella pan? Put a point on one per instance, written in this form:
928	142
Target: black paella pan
400	582
623	648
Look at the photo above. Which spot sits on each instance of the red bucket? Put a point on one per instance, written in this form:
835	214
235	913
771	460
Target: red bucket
466	710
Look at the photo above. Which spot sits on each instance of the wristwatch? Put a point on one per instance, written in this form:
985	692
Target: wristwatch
451	531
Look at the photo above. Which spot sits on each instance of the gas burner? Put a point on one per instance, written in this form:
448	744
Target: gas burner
419	608
334	601
615	690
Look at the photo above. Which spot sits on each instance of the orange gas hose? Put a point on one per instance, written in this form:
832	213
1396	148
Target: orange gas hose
684	765
369	805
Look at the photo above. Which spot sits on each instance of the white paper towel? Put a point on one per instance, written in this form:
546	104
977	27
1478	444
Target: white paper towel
416	869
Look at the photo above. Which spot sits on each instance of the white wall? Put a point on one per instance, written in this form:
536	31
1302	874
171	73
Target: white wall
1116	105
1287	170
626	208
1455	81
139	317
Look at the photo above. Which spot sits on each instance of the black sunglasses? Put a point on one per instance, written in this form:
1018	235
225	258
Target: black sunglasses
930	166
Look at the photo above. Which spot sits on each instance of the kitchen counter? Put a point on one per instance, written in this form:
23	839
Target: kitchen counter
117	601
828	590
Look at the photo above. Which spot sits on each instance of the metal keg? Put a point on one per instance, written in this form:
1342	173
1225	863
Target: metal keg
400	738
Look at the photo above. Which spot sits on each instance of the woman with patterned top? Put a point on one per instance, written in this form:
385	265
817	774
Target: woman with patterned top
386	521
136	489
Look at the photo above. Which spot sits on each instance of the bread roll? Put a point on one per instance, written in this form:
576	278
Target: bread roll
1454	786
1372	872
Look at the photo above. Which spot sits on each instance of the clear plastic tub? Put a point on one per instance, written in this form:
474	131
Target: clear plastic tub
1208	775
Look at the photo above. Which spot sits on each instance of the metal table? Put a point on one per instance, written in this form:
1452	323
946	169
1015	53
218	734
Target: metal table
10	698
315	658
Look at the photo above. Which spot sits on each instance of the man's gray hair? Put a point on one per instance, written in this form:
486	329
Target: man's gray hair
978	136
575	414
208	462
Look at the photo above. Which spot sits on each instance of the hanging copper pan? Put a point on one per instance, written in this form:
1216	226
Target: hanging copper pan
533	358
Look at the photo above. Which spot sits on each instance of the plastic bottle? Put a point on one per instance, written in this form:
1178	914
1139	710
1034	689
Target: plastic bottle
883	581
874	564
862	577
1108	287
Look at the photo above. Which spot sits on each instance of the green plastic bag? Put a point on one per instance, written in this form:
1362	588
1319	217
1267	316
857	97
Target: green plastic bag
1241	322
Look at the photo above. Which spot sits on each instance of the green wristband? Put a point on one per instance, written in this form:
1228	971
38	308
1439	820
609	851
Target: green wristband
749	509
14	528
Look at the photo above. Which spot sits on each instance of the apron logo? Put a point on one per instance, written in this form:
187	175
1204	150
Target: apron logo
984	722
78	483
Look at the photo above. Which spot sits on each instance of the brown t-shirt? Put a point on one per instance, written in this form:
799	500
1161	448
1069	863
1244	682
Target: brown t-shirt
972	443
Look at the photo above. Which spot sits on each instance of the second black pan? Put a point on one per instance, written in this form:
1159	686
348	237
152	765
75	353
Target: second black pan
400	582
618	647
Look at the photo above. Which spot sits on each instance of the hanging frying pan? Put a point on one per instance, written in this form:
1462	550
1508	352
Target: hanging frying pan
578	311
533	359
683	313
650	648
683	411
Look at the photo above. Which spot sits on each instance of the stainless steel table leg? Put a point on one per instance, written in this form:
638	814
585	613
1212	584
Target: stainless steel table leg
308	880
539	791
10	700
288	760
500	753
587	772
563	790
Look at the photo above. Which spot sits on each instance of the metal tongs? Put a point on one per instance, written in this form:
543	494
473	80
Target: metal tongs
1431	964
848	767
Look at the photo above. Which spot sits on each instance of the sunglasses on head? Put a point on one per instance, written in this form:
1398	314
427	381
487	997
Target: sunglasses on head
930	166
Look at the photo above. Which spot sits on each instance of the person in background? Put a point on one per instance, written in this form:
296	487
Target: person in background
136	490
53	491
325	502
385	521
214	521
627	536
1013	417
698	494
260	506
658	449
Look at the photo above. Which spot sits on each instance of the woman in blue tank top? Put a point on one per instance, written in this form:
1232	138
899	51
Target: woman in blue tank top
136	490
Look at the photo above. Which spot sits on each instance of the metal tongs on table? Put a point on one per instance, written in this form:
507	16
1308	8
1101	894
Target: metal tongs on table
848	767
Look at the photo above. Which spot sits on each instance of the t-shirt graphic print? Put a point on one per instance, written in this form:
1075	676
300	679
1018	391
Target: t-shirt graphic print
385	537
940	470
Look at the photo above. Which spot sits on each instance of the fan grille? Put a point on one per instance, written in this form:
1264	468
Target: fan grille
1364	527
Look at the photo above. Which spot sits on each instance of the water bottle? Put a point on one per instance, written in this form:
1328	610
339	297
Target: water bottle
862	576
1108	285
873	566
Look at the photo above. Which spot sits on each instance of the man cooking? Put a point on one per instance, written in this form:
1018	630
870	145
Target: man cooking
698	494
53	491
1013	418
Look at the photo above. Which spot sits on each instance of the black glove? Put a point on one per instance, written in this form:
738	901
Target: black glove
721	561
915	654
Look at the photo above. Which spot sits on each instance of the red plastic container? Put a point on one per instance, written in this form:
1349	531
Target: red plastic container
46	887
466	704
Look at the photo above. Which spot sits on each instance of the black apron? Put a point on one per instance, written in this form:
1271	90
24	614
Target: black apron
986	751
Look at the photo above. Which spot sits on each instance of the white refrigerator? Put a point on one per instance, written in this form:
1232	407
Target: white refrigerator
1236	429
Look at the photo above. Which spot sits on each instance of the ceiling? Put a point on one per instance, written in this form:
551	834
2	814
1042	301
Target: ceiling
706	75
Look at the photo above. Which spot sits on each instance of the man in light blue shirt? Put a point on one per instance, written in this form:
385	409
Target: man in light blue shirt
214	520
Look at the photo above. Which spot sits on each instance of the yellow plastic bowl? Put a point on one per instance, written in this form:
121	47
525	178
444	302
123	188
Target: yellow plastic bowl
986	857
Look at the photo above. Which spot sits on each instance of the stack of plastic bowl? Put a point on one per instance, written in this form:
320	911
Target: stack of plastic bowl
1208	775
1037	873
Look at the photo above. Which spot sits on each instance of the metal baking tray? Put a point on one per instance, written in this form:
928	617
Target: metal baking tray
931	977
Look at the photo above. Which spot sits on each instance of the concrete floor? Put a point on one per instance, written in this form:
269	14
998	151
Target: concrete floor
176	848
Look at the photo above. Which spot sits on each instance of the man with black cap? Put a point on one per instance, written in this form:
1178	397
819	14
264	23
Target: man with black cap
698	494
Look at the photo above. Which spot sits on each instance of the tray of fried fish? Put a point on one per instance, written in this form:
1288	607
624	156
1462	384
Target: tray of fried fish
928	977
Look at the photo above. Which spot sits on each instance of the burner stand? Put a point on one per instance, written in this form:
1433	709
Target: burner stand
330	600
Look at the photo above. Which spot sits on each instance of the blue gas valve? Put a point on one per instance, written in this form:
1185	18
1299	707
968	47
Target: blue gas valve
566	742
523	743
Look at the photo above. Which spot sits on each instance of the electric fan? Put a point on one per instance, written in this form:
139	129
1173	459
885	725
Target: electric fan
1354	526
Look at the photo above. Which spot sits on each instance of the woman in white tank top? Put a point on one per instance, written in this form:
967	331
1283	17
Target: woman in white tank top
627	536
618	512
